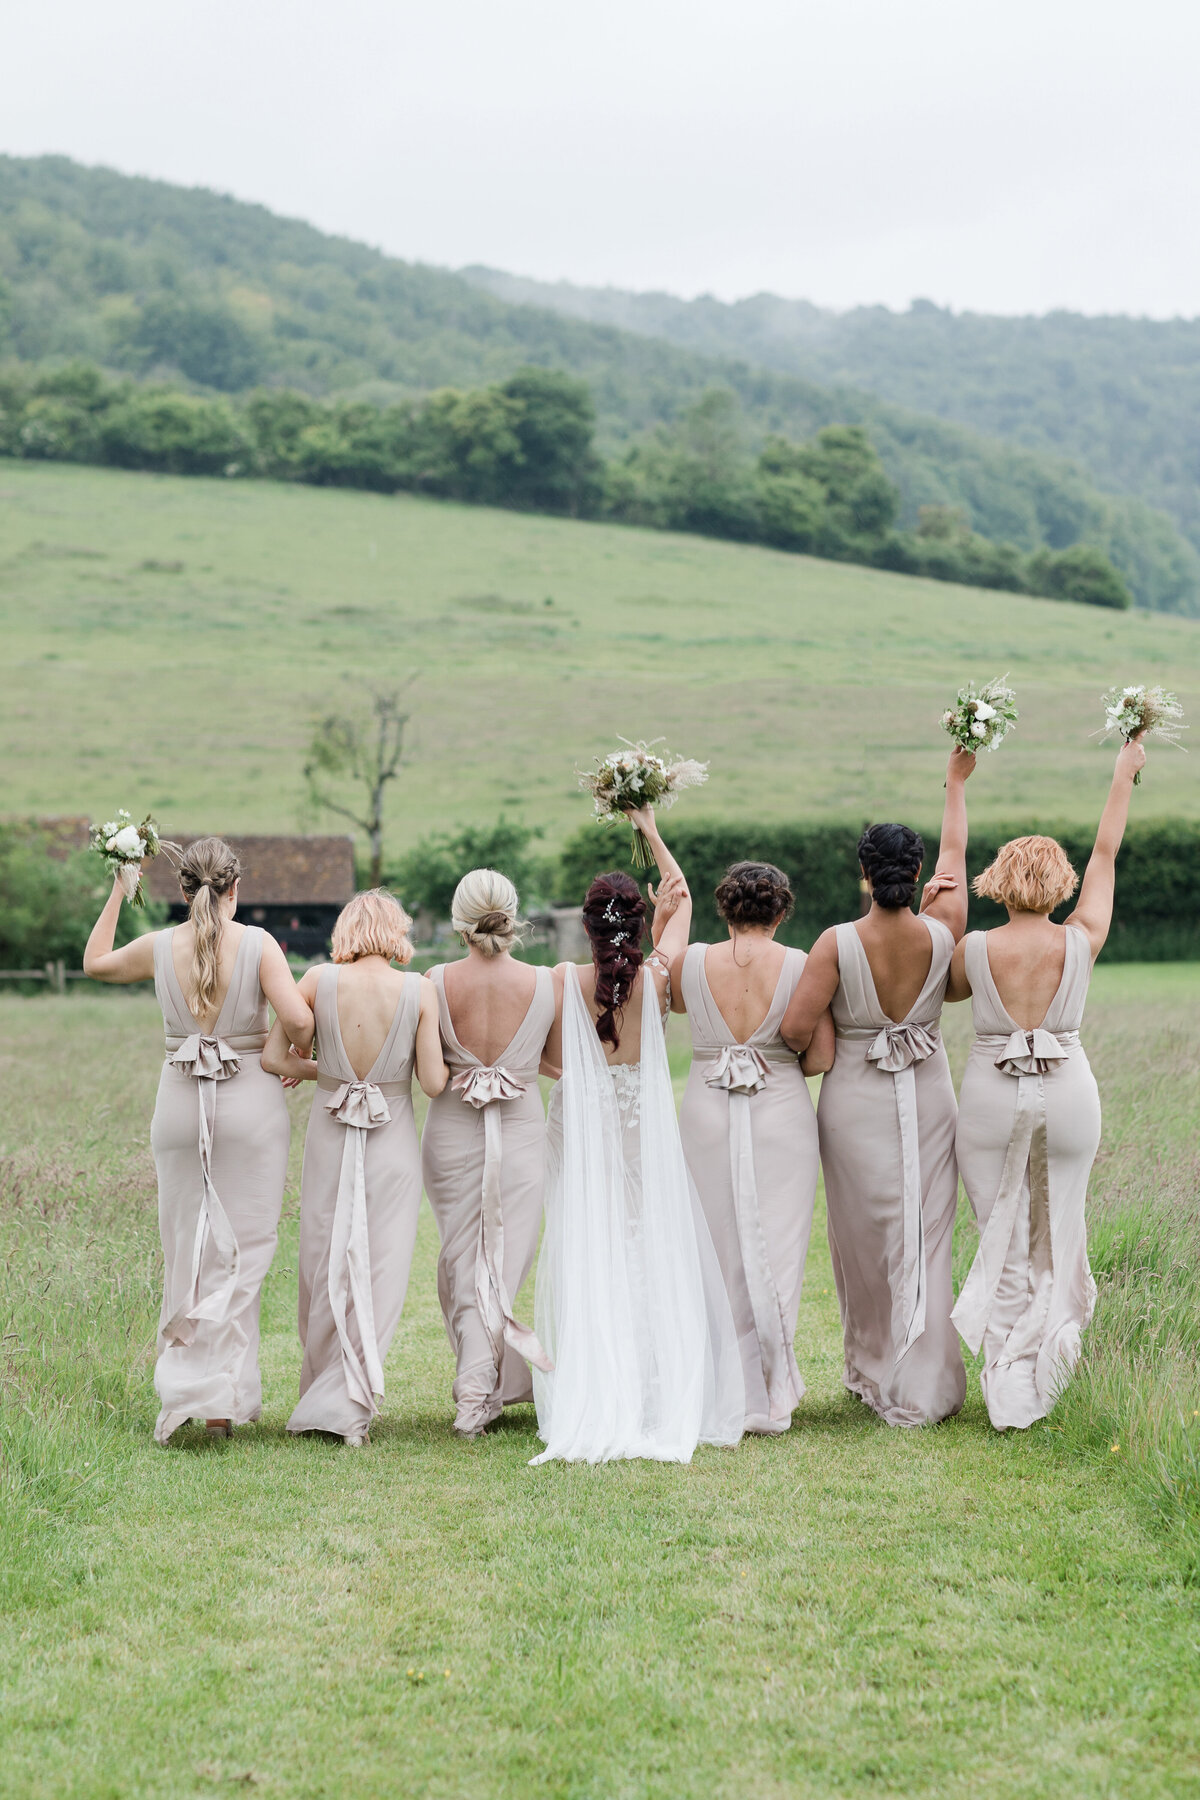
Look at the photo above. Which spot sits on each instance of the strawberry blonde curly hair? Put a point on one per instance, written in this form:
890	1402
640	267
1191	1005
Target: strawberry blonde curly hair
1030	874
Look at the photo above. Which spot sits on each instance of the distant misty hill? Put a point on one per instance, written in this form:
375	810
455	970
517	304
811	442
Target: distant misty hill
164	282
1119	395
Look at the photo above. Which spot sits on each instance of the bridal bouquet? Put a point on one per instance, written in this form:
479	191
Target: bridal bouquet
1131	710
124	847
625	780
981	718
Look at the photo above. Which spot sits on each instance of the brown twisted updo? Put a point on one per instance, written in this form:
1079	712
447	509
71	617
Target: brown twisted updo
754	893
891	856
614	917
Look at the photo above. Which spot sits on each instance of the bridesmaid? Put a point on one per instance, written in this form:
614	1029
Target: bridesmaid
1029	1114
749	1129
886	1118
220	1134
361	1188
483	1149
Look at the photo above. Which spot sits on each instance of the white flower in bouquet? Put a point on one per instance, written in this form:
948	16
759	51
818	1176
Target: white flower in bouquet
981	717
124	847
1136	710
626	780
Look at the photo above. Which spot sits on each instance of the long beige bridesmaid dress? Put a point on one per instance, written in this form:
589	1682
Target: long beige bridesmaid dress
1028	1132
750	1137
886	1119
220	1138
360	1195
483	1154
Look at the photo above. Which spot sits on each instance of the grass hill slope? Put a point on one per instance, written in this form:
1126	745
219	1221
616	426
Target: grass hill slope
143	276
166	641
1119	395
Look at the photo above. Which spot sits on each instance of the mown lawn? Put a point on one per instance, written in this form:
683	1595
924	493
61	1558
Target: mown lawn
848	1610
167	640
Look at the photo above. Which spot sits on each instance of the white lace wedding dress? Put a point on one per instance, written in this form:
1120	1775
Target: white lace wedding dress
630	1305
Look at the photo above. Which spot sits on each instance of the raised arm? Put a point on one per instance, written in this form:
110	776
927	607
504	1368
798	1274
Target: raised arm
132	962
1093	910
814	991
947	899
671	935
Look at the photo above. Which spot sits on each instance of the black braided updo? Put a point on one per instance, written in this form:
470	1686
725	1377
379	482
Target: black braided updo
891	856
614	917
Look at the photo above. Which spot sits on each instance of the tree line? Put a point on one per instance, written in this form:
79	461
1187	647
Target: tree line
215	296
528	442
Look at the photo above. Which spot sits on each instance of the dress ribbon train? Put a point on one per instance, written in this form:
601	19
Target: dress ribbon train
487	1088
743	1071
207	1060
1026	1056
894	1049
361	1106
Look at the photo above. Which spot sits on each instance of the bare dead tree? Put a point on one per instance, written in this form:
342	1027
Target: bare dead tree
352	756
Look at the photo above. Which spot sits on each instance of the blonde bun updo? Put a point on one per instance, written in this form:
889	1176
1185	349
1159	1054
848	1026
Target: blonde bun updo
484	911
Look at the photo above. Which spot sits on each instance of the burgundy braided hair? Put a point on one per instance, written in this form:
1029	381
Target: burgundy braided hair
614	917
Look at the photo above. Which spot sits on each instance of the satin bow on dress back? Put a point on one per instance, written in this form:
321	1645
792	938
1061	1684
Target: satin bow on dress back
483	1154
359	1198
886	1116
220	1137
750	1136
1028	1130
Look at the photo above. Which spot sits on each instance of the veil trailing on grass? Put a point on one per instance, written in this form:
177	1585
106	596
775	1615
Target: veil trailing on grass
630	1304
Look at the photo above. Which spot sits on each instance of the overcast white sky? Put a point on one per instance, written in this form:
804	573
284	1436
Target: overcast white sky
1007	157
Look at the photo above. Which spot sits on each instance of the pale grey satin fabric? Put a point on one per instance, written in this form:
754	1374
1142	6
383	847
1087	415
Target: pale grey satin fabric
750	1137
220	1137
1029	1126
359	1200
886	1116
483	1157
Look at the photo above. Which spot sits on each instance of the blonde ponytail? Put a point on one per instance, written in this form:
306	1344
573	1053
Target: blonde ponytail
207	870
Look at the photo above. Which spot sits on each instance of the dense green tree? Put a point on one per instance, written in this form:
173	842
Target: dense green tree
178	433
48	904
425	878
203	340
558	468
1081	573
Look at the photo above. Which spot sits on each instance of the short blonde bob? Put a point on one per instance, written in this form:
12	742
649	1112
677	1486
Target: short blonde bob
1031	874
372	924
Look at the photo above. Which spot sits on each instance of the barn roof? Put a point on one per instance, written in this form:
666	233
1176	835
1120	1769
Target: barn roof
276	871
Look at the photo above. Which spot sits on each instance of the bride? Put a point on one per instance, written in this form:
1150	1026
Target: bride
630	1304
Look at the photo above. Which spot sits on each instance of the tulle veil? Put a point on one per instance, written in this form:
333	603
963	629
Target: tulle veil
630	1304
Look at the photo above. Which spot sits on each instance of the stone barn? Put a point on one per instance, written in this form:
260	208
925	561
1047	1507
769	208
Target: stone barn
294	887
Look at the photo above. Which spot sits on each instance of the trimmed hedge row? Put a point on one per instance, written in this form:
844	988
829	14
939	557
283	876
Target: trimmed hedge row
1156	917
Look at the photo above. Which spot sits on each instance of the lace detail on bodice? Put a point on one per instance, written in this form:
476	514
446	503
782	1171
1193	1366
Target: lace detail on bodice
627	1086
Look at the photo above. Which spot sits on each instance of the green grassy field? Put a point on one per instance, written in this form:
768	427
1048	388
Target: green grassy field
845	1611
167	640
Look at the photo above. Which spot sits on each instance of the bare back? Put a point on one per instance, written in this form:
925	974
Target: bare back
899	952
183	943
743	992
1027	961
368	992
488	998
